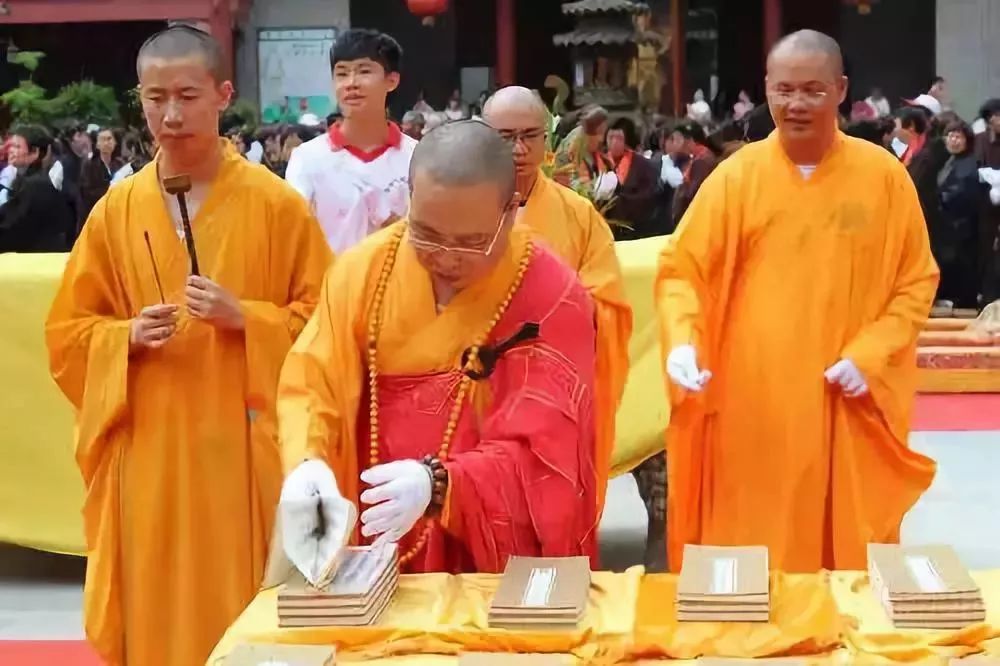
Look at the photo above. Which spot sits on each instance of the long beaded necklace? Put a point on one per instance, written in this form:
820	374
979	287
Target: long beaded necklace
375	324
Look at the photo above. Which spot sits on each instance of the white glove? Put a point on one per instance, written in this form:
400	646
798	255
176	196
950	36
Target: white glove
605	186
670	174
682	368
399	495
992	178
845	374
315	518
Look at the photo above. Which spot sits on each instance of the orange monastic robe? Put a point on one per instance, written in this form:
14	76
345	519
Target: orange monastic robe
774	278
178	446
521	462
576	232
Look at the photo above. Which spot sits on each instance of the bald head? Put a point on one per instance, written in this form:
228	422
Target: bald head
514	99
183	42
806	43
463	154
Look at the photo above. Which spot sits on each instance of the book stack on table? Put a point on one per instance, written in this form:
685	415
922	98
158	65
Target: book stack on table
924	587
362	588
538	593
722	584
269	654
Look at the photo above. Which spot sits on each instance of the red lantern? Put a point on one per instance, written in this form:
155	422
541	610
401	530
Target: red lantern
427	9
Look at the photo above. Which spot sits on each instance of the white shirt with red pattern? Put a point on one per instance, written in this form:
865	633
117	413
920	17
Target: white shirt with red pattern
351	192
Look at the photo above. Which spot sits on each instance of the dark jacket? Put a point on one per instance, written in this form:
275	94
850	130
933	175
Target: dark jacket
954	230
988	155
695	174
94	182
636	201
36	216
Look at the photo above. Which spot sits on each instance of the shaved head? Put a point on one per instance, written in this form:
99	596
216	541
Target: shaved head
182	42
463	154
514	98
809	42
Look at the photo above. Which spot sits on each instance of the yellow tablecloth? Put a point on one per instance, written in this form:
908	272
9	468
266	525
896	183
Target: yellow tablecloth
825	618
40	489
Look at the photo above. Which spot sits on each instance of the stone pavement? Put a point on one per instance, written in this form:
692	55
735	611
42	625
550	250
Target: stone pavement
41	597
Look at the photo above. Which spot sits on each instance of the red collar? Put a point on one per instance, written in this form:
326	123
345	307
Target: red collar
338	142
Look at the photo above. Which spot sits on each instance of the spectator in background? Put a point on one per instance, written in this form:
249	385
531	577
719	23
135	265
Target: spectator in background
878	131
696	158
878	102
954	226
638	183
9	171
36	217
581	148
413	124
79	147
134	157
99	170
454	110
939	91
988	157
911	133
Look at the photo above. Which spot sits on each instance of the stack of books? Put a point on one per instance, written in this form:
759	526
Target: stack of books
365	582
538	593
269	654
924	587
719	584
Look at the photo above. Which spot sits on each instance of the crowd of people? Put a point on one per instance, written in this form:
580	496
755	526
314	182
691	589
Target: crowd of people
433	326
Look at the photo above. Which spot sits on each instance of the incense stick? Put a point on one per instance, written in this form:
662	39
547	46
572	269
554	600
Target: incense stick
152	260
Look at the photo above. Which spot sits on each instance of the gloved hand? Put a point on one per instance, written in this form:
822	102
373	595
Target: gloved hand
845	374
682	368
315	518
399	495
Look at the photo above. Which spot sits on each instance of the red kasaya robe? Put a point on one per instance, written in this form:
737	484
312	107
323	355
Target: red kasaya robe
522	468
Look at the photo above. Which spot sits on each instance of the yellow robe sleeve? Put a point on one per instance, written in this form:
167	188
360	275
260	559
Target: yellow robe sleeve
320	387
890	339
601	274
695	263
272	327
87	334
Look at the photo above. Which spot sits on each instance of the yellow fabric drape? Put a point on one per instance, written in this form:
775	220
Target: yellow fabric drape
826	619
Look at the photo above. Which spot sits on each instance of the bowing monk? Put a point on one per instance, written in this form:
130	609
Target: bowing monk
173	375
446	380
791	297
572	228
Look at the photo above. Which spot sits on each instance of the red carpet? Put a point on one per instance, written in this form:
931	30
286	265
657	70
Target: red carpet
47	653
956	411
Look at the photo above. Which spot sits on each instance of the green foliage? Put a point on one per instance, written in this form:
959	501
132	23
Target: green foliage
88	102
30	60
27	103
241	114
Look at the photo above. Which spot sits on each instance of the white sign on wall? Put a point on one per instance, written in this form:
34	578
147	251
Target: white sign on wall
294	73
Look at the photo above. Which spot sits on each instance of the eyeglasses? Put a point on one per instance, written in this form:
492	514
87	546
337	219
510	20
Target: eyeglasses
430	247
811	96
523	136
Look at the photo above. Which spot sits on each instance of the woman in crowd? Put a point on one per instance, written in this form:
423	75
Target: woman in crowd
99	170
36	217
134	156
954	226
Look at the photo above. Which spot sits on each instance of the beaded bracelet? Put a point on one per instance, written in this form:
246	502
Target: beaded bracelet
439	485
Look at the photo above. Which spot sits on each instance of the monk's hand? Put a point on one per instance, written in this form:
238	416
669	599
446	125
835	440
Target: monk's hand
207	300
398	496
846	376
315	518
152	328
682	368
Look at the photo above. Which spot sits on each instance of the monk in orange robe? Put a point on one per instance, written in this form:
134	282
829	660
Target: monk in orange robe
446	381
173	376
572	228
791	298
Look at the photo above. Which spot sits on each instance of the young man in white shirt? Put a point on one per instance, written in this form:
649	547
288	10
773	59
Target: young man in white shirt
356	176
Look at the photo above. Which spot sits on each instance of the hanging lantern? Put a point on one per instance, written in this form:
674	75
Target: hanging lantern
428	9
864	6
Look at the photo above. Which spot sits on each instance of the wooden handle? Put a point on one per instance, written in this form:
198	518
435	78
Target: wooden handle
177	184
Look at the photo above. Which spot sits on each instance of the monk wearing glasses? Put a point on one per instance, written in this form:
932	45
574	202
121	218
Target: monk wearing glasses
446	381
791	297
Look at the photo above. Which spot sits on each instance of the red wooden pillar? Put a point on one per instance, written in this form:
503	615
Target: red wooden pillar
678	48
506	73
221	27
772	24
